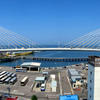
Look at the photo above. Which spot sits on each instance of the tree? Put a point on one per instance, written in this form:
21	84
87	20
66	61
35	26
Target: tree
34	97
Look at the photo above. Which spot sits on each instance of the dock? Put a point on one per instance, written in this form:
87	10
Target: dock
56	59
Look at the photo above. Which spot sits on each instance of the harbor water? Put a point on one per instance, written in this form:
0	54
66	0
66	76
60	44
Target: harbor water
56	54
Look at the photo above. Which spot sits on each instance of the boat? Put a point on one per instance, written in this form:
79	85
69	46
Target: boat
19	53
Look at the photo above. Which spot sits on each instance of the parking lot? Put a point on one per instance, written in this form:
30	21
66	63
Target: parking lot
25	92
30	88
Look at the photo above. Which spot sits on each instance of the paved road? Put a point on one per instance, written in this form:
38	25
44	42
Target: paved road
65	83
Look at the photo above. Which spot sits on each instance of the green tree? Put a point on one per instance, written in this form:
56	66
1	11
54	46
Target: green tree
34	97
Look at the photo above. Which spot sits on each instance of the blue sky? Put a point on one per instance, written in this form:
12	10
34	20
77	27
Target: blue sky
50	21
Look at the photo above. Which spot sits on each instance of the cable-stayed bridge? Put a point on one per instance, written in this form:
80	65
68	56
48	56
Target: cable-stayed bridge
90	40
11	41
50	49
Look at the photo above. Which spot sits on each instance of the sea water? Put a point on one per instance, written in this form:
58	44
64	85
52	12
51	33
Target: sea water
56	54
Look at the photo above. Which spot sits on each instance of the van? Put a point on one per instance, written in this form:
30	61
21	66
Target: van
42	87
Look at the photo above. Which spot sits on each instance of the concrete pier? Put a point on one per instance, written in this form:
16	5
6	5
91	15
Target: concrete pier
57	59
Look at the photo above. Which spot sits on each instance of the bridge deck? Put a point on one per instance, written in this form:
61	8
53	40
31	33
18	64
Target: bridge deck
50	49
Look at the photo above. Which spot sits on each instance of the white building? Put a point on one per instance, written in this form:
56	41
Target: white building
31	66
54	85
94	78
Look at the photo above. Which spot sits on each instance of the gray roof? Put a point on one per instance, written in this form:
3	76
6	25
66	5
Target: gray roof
44	72
74	78
73	72
40	79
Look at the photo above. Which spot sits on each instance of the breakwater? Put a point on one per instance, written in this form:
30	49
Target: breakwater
56	59
8	59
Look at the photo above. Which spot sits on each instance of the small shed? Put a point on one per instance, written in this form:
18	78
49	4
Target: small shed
73	72
31	66
40	79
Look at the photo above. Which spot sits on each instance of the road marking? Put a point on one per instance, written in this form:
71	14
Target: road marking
60	83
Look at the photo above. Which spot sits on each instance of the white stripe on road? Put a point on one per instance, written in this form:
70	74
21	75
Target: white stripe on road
60	84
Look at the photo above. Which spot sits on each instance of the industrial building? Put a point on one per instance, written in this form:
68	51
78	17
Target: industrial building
31	66
75	78
94	78
73	72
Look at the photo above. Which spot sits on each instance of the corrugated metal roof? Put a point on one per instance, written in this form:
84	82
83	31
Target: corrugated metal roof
73	72
40	79
31	64
69	97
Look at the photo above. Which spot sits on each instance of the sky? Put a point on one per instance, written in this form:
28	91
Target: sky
50	21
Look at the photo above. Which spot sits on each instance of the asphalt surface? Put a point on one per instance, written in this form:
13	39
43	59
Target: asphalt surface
25	92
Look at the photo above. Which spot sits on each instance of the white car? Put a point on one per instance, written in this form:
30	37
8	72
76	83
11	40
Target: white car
42	87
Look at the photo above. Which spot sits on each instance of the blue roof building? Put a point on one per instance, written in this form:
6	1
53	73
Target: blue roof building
69	97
